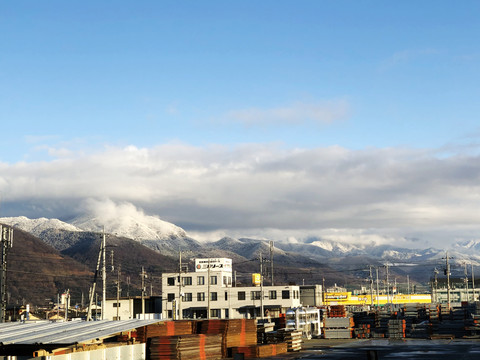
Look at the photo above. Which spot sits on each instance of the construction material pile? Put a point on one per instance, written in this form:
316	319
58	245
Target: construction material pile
166	328
336	311
236	332
338	327
472	323
183	347
292	338
262	332
381	323
259	351
362	331
396	328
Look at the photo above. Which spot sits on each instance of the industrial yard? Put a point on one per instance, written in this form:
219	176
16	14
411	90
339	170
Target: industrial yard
412	331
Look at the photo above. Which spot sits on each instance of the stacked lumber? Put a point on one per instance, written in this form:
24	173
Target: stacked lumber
293	338
272	337
362	331
381	323
260	351
191	347
396	328
262	331
419	331
235	332
337	311
338	327
472	323
472	327
165	328
241	332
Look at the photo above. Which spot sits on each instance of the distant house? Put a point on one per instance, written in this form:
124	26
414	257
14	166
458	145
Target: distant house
131	308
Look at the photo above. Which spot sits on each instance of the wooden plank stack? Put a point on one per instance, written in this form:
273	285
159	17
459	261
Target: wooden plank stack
337	311
292	338
241	332
191	347
338	327
262	331
165	328
396	328
260	351
362	331
235	332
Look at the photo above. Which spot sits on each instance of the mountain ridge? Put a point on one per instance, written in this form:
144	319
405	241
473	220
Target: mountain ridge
168	238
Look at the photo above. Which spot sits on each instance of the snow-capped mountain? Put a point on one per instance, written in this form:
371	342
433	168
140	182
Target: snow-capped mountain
467	246
144	228
338	248
151	231
168	238
37	226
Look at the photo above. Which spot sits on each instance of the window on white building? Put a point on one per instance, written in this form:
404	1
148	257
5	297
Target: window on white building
200	280
187	297
213	296
170	281
285	294
241	295
201	296
215	313
272	294
255	295
213	280
187	280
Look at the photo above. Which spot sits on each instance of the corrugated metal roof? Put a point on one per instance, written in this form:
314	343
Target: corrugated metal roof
71	332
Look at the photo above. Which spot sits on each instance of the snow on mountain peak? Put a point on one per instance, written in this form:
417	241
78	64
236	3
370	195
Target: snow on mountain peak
37	226
125	220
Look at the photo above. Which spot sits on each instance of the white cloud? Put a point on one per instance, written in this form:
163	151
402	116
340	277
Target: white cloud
262	190
406	56
298	113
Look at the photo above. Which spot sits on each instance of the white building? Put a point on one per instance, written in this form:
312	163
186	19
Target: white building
209	291
131	308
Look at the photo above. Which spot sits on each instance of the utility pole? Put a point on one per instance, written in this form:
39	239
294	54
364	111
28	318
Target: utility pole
473	283
447	272
180	286
388	286
208	289
466	279
6	243
104	277
378	293
143	275
92	290
67	304
118	291
271	259
371	287
408	284
261	285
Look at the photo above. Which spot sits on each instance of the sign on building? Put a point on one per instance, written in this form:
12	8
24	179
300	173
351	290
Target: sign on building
223	264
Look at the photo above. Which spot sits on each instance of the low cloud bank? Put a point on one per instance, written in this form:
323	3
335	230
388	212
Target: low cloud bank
261	190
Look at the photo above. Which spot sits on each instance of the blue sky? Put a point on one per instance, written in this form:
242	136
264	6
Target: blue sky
80	78
150	72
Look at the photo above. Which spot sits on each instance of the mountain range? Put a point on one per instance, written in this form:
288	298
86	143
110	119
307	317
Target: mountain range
155	244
